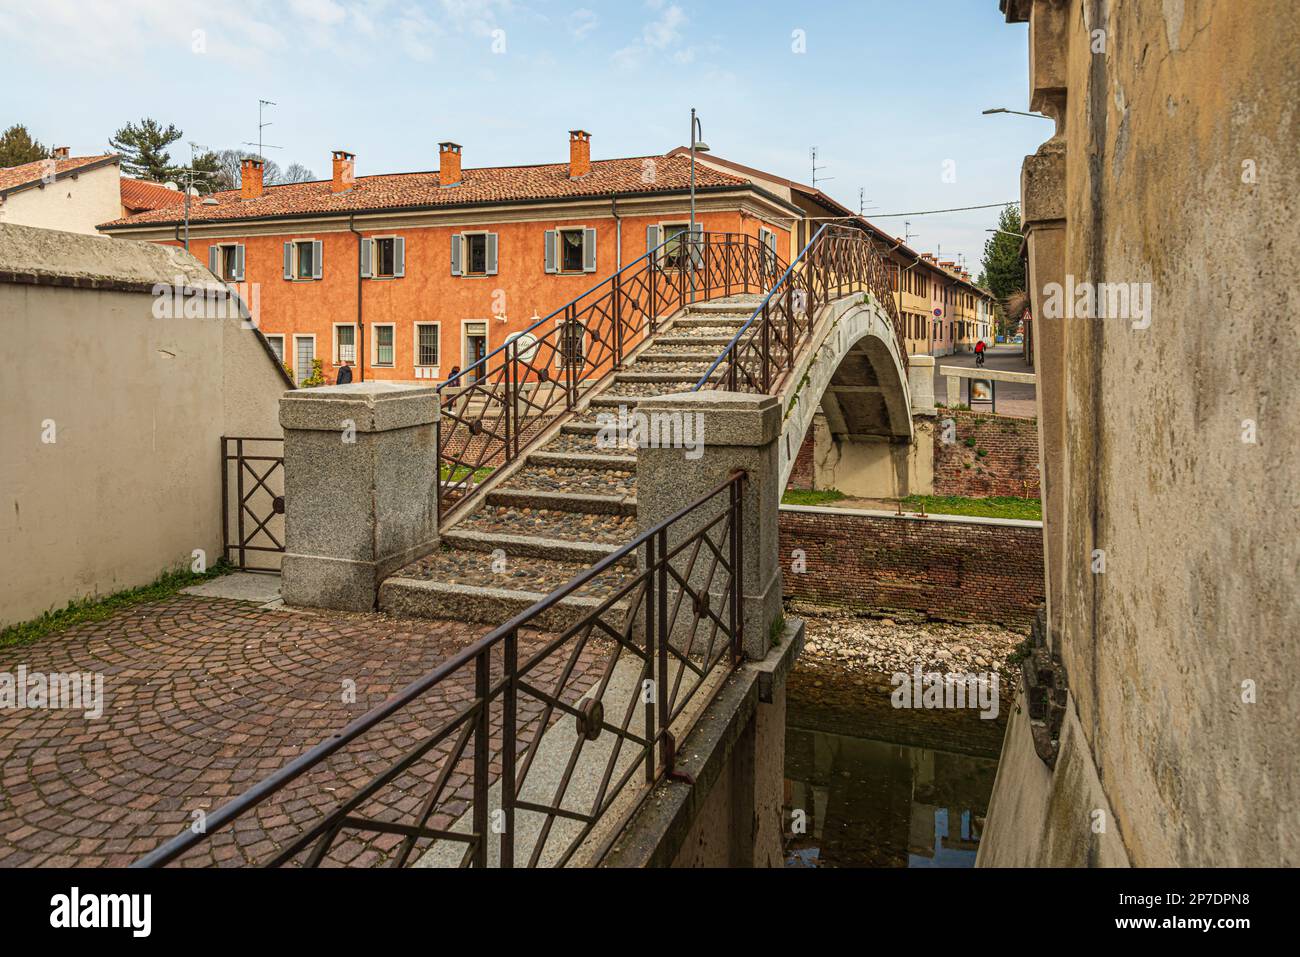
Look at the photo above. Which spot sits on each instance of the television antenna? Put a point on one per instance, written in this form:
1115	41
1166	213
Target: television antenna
261	125
812	152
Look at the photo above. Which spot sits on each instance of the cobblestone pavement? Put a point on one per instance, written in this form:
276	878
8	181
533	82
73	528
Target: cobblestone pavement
202	698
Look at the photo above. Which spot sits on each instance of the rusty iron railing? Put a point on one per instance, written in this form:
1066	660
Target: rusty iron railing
506	399
252	501
838	261
481	761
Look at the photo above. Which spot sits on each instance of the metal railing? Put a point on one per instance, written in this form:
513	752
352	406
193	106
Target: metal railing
506	399
472	764
252	501
838	261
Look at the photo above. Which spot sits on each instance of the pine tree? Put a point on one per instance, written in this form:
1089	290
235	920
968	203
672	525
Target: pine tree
144	149
17	147
1002	268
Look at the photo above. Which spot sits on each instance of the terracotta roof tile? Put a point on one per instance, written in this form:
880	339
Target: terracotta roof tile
485	185
140	194
12	177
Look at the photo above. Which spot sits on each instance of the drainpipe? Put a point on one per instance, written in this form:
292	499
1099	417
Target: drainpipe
618	233
361	326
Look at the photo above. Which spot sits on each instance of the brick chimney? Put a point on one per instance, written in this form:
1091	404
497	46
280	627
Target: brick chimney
448	164
60	152
579	153
344	171
250	178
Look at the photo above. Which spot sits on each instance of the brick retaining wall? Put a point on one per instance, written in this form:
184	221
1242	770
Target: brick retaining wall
1009	463
975	570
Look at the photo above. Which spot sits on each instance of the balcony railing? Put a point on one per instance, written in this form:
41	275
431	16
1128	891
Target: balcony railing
506	399
514	749
837	262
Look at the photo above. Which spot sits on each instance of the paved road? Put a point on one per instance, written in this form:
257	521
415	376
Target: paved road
1013	398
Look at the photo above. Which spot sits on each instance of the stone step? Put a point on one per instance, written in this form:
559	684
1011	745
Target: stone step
629	393
594	504
589	443
569	479
710	322
529	546
606	401
462	585
734	304
695	341
550	524
666	378
596	459
684	356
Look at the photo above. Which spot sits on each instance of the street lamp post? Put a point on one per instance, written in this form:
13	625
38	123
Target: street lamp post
697	145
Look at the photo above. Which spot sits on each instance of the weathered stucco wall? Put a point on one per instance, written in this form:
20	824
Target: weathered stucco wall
1176	162
136	406
73	203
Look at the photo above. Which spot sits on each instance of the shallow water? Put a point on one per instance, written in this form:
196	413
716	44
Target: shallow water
855	801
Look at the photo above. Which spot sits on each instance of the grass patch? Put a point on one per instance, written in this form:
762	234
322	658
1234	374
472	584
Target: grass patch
1024	508
97	609
458	473
820	496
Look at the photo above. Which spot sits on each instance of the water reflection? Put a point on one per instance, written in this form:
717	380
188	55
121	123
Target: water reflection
867	803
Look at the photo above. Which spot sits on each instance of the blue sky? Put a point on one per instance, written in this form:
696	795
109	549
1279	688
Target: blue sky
888	90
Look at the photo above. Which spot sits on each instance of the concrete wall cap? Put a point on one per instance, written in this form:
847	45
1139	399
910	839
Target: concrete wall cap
729	418
371	406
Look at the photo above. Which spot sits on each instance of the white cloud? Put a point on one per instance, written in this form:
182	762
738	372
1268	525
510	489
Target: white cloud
660	35
325	12
581	22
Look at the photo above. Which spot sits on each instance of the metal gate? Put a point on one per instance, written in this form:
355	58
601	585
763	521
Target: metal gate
252	502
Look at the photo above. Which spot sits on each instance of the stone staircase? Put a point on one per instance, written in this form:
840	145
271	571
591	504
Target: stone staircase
570	503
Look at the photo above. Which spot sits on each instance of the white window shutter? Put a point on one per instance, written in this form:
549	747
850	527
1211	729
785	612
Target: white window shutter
491	254
652	240
550	250
214	252
588	250
367	250
399	256
317	262
456	246
288	260
239	263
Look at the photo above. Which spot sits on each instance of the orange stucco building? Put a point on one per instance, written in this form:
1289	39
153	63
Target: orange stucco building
411	276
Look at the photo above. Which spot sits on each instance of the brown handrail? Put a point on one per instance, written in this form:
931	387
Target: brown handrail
838	261
524	385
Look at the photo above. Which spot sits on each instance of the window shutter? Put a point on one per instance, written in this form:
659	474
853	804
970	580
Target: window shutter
550	250
697	251
399	256
456	244
652	240
288	260
491	254
316	261
239	263
367	249
213	252
588	250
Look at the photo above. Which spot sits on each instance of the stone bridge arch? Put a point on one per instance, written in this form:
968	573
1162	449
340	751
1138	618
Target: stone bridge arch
854	373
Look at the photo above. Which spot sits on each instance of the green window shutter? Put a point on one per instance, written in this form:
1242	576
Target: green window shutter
457	246
214	252
316	260
399	256
550	250
239	263
288	260
588	250
652	240
367	251
491	254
